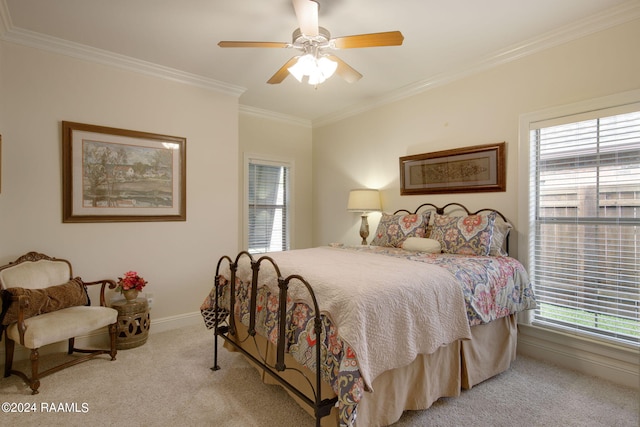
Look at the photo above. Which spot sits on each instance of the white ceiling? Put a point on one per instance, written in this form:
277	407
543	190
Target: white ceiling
443	40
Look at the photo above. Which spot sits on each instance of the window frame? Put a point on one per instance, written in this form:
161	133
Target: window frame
268	160
614	104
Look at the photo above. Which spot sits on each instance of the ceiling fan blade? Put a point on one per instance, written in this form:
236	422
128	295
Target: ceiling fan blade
345	71
283	72
307	14
252	44
389	38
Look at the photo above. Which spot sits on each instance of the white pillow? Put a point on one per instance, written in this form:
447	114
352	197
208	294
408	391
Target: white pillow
420	244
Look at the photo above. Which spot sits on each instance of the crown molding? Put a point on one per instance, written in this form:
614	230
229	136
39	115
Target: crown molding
610	18
272	115
76	50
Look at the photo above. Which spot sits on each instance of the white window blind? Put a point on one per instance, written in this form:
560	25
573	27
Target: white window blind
585	224
268	206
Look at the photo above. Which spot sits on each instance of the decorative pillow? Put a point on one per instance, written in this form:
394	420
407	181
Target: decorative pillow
466	235
43	300
420	244
395	229
501	230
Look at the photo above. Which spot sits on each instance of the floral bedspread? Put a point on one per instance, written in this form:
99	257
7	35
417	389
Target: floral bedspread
493	287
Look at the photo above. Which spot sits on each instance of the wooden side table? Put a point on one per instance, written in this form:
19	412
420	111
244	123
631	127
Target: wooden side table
133	323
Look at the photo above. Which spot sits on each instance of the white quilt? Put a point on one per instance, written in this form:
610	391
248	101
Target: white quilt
388	310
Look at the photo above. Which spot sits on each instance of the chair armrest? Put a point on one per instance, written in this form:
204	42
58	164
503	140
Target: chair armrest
23	302
104	282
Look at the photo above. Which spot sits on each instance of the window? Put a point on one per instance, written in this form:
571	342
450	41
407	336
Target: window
584	223
268	197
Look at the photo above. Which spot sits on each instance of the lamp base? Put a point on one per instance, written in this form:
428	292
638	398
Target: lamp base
364	230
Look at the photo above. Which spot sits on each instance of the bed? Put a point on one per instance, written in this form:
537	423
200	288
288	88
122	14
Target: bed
429	308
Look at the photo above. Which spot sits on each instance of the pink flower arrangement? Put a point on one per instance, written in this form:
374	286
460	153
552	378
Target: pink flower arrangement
130	281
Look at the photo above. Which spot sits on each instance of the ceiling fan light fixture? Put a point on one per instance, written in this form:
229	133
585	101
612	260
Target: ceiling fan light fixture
316	70
315	64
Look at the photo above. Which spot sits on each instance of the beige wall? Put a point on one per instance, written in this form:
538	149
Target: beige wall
286	141
363	151
39	90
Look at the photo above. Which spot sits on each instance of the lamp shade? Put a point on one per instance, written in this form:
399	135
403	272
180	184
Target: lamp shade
364	200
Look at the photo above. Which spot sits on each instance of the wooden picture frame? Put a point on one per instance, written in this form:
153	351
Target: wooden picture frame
461	170
118	175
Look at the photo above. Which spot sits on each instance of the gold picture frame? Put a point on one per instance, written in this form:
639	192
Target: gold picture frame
461	170
119	175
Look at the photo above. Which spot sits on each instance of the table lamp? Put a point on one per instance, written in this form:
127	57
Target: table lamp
364	201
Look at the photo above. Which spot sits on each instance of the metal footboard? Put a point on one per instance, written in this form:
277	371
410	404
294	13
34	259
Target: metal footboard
225	328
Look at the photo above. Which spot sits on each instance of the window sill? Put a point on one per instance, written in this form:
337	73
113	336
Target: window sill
617	364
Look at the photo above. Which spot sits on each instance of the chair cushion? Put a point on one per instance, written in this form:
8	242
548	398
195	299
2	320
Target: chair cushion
44	300
63	324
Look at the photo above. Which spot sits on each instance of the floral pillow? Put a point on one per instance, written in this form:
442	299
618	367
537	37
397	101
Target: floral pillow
466	235
394	229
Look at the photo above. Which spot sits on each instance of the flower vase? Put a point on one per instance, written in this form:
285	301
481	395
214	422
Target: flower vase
130	295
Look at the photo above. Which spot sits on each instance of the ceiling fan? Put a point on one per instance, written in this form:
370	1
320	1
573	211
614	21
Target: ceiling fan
315	64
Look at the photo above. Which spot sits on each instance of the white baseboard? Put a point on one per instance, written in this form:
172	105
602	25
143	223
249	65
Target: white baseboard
175	322
100	339
617	364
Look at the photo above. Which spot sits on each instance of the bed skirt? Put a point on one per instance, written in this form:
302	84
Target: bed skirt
459	365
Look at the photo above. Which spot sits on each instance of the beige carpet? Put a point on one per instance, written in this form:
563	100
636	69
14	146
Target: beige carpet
167	381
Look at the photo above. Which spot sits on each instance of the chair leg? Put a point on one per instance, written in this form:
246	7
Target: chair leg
9	346
72	343
113	329
34	383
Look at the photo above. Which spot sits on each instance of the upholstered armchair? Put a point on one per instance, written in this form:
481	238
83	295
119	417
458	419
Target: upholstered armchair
42	303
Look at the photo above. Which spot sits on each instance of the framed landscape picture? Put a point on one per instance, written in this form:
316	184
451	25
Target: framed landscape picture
461	170
118	175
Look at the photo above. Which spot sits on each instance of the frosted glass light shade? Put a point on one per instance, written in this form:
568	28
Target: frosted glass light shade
364	200
327	66
303	66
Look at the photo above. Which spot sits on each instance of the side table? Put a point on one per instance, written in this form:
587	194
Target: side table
133	323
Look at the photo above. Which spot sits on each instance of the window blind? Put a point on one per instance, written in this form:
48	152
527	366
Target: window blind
268	201
585	200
